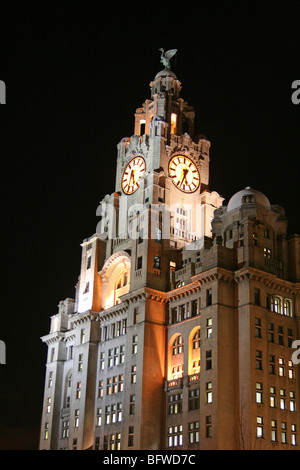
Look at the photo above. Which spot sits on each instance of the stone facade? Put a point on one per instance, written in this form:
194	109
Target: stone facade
180	334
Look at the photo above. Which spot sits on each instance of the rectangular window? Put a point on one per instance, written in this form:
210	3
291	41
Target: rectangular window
139	262
280	335
52	354
209	328
293	435
208	297
156	264
134	344
65	429
194	399
257	296
50	379
133	374
76	419
132	405
271	364
282	399
281	366
209	392
100	389
283	433
259	427
257	327
136	315
46	431
271	333
110	358
102	361
99	417
273	431
80	362
175	436
88	263
258	360
82	335
208	359
194	308
292	401
272	397
130	436
259	388
194	432
78	390
267	253
208	426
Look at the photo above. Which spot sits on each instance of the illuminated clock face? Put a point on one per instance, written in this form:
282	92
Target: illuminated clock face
132	175
184	173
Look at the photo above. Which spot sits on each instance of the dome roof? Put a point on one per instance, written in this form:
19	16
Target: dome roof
166	73
248	195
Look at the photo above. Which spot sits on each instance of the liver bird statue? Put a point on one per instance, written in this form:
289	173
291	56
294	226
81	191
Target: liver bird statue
166	57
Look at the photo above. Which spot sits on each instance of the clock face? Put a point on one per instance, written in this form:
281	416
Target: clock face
132	175
184	173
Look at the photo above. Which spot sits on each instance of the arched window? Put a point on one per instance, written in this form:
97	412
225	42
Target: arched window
194	351
122	280
177	347
196	339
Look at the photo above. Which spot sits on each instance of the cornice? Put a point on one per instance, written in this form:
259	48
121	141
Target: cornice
270	280
183	291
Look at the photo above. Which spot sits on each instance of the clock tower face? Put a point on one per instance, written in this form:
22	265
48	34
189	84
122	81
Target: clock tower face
132	175
184	173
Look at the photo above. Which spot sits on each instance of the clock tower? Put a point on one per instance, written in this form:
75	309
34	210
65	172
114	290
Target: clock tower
162	200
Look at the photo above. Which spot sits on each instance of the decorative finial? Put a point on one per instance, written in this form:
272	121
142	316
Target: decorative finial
166	56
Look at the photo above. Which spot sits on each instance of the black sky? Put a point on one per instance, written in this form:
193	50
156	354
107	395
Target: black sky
75	75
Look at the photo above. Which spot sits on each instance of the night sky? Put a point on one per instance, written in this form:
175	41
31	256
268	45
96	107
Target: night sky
74	77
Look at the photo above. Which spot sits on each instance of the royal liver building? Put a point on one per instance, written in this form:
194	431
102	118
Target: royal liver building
183	330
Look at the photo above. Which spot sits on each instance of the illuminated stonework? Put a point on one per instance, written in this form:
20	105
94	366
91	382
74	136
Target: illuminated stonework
180	337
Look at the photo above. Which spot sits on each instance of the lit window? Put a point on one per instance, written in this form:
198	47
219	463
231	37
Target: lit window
273	430
292	401
175	436
283	433
267	253
196	339
78	390
209	392
209	328
178	345
173	123
282	399
76	419
272	397
259	392
134	344
99	417
46	431
259	427
82	335
194	432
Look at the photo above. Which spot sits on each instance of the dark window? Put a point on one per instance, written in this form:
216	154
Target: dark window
209	297
139	262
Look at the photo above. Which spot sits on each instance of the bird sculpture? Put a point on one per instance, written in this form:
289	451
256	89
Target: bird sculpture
166	57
